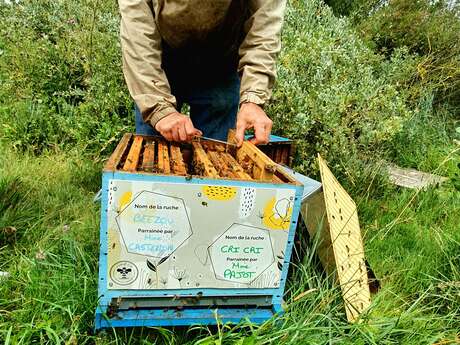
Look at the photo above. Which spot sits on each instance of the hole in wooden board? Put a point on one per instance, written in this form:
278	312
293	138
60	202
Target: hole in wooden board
343	268
347	248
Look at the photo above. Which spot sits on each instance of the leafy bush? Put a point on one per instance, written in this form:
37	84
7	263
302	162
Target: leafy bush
352	7
430	29
61	82
334	95
60	74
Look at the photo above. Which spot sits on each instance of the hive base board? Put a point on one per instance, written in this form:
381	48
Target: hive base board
186	317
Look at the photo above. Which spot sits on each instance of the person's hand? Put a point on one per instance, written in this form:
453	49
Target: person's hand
177	127
253	116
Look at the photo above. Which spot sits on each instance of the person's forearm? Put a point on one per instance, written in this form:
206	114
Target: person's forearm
142	54
259	50
258	54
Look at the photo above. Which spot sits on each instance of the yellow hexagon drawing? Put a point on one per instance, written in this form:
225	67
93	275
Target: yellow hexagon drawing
277	214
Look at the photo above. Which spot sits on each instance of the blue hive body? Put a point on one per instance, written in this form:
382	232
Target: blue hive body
180	272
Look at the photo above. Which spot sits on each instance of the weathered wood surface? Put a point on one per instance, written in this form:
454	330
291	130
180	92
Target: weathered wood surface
120	150
411	178
164	165
347	244
263	168
285	155
148	160
236	167
201	162
177	161
276	179
133	156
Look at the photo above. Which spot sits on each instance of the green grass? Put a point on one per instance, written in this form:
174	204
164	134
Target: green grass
50	296
62	113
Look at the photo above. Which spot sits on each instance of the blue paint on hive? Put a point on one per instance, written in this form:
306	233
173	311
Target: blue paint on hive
187	316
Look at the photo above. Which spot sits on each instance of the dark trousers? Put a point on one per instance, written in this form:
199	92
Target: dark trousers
208	83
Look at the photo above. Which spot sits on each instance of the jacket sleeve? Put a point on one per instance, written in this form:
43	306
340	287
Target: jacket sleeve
259	50
142	53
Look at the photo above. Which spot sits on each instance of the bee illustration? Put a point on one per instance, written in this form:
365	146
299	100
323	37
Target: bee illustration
124	271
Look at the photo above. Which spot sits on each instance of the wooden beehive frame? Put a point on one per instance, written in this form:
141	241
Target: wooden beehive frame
154	155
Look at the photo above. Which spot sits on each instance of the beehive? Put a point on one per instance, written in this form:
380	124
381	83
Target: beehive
193	233
280	150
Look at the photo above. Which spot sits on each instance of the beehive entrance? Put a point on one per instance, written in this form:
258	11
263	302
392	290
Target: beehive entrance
202	158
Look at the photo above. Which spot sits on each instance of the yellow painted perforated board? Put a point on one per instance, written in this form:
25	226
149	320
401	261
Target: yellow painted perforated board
347	243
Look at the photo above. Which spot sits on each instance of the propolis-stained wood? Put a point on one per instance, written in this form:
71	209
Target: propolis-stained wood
152	154
148	159
164	164
177	161
134	154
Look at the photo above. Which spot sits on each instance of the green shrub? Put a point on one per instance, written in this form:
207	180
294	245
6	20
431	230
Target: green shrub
352	7
61	81
334	95
430	29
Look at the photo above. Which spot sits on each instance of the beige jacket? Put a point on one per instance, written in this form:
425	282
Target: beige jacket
145	24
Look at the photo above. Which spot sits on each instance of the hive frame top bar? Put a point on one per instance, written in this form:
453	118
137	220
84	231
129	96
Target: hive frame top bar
200	159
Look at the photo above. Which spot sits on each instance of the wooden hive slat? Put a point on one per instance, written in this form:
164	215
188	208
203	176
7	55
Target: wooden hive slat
148	160
151	154
285	155
177	162
201	161
276	179
264	167
219	162
281	174
133	156
278	155
163	158
236	167
120	150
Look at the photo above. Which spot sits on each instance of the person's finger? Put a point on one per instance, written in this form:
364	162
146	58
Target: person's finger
268	127
166	135
190	131
260	134
198	133
175	134
239	135
182	133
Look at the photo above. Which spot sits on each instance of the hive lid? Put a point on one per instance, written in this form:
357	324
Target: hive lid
347	244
